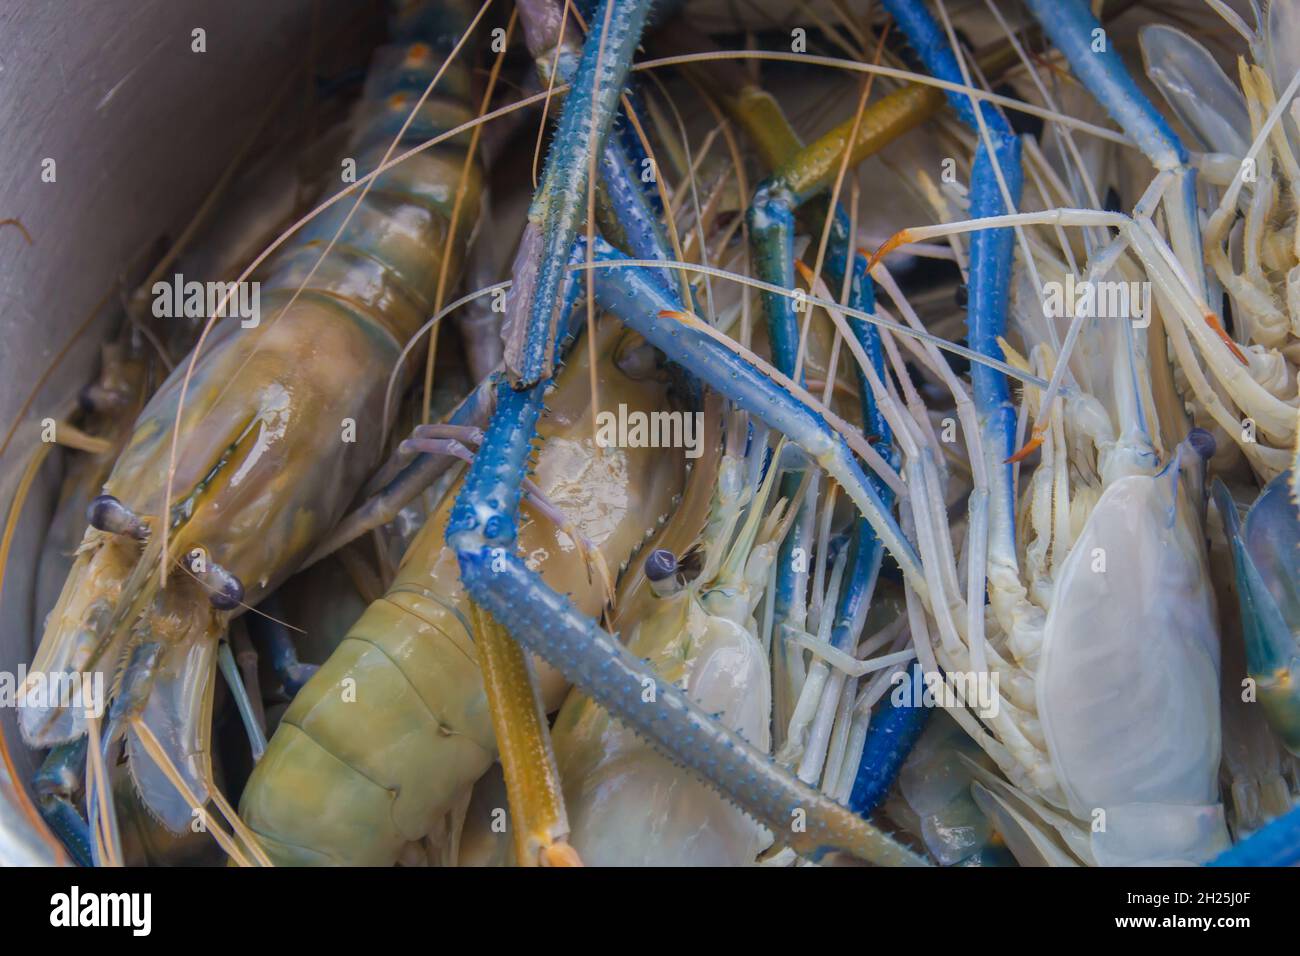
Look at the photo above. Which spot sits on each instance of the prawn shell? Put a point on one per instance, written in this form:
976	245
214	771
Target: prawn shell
1128	681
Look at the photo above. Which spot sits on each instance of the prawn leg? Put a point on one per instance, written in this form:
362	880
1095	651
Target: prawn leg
803	173
802	176
56	783
598	75
527	758
990	261
627	215
278	644
532	311
1075	31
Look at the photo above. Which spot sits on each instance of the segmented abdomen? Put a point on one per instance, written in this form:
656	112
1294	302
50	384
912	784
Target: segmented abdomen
379	743
389	256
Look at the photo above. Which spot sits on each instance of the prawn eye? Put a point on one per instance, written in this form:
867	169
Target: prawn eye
660	564
225	591
228	595
107	514
1203	442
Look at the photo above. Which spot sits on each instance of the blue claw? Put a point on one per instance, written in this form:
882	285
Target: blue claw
636	227
1082	40
1277	843
1094	60
561	199
990	257
58	779
771	218
893	732
771	229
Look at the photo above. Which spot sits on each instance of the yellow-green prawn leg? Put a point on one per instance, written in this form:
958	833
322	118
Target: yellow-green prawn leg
537	815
